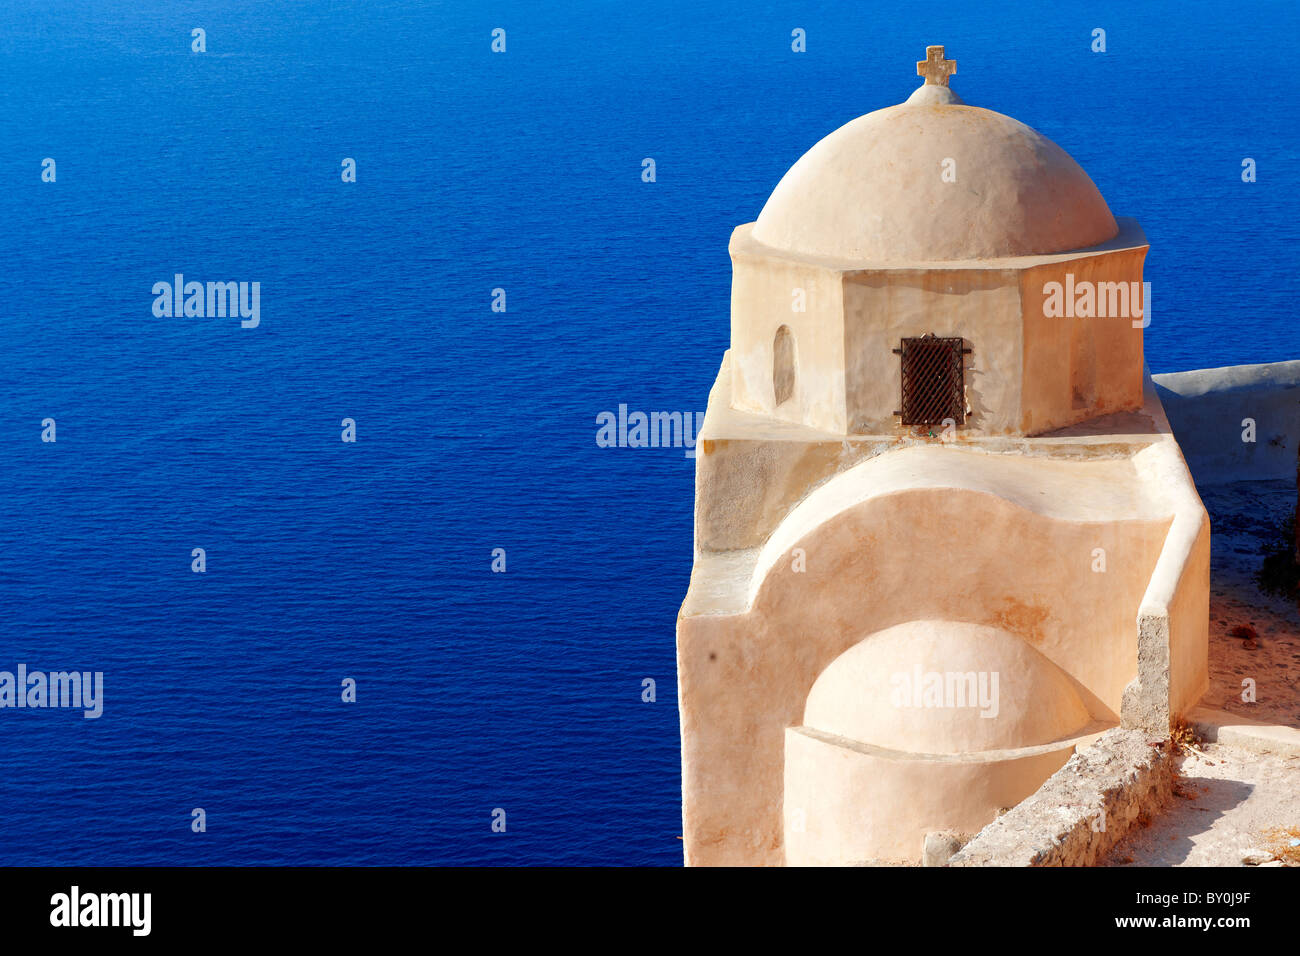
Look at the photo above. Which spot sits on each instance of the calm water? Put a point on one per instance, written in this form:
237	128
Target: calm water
476	428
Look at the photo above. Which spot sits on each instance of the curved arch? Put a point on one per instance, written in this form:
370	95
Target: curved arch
1103	491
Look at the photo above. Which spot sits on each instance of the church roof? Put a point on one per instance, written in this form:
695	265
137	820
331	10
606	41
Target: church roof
934	179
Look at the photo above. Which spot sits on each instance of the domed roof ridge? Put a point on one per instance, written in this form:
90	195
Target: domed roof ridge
934	179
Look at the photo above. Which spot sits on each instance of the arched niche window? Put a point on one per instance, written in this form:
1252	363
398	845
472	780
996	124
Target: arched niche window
783	364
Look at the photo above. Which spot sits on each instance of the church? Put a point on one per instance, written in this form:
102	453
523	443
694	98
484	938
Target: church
944	534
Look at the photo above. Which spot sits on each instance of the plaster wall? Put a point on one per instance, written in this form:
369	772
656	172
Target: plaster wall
980	306
1079	368
1173	617
906	554
1189	627
762	300
846	804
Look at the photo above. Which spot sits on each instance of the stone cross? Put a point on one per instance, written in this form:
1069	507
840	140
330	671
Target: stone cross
935	68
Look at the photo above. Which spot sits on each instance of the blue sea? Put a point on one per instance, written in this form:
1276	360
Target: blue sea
476	691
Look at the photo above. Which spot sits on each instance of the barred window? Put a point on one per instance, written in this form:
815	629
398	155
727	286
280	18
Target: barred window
933	380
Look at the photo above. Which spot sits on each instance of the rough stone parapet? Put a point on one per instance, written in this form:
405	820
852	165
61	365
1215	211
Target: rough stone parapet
1084	809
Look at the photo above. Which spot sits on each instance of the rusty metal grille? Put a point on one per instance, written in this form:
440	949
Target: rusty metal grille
933	380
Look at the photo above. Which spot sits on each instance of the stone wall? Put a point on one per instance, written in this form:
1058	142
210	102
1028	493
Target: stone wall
1074	819
1207	408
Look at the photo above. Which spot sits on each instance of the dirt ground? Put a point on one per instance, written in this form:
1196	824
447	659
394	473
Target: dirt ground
1245	521
1231	800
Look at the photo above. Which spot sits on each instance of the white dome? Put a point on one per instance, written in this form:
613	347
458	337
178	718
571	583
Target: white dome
882	690
875	190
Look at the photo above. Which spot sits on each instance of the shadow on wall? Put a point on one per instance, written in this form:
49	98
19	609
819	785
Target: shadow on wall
1239	423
